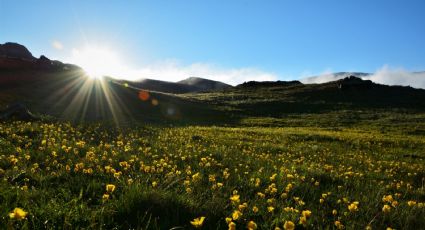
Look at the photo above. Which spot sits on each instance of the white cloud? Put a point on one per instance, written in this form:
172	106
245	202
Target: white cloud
390	76
57	45
325	76
173	71
103	61
384	75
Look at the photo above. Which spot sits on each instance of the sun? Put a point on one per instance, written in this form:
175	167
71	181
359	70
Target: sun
97	61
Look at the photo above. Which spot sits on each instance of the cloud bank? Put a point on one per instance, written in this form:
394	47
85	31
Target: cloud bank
173	71
385	75
389	76
100	61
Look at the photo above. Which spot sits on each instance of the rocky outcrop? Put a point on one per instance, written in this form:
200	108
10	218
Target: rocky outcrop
354	82
17	111
254	84
15	50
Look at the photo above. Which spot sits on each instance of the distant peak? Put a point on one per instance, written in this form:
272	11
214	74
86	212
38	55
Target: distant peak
204	84
268	83
15	50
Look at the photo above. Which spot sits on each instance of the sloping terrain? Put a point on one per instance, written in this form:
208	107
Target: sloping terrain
204	84
276	99
64	91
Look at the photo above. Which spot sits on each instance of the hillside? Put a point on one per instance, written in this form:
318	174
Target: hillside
192	84
64	91
203	84
333	77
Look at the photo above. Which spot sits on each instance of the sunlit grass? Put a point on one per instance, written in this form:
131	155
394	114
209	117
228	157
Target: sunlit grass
98	176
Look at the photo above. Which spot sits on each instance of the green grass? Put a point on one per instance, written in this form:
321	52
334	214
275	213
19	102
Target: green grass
171	173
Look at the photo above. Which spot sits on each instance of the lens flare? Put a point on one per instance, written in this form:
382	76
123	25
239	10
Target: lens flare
144	95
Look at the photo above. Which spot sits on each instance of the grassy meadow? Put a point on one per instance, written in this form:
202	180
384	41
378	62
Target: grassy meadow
312	171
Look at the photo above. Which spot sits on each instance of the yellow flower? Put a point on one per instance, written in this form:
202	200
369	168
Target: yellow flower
235	198
388	198
353	206
273	177
334	212
228	220
236	214
394	203
197	222
339	225
261	195
232	226
110	188
289	225
105	196
255	209
270	208
306	213
243	206
303	220
18	213
251	225
411	203
386	208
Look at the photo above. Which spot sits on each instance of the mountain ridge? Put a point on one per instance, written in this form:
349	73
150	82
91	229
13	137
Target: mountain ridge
65	91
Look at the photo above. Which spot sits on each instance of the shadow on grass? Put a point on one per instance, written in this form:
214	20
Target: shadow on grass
143	208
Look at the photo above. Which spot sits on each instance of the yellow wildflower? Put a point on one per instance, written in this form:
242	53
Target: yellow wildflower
110	188
306	213
289	225
232	226
386	208
251	225
236	214
197	222
388	198
353	206
339	225
235	198
411	203
105	197
303	220
18	213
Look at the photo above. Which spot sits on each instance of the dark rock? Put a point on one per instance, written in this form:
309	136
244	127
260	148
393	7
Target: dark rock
44	62
268	84
17	111
15	50
354	82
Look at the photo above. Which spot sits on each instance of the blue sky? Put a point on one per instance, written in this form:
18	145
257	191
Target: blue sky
264	40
